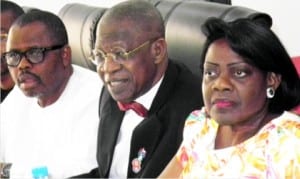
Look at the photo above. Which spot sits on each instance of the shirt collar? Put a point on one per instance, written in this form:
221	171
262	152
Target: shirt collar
147	98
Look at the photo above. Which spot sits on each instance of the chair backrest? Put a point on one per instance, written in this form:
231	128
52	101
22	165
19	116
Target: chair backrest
81	21
183	20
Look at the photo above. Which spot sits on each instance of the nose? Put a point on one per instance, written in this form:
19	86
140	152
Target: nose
109	65
24	63
222	83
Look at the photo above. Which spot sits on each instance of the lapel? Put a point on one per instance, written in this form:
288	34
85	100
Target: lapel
110	121
166	88
145	135
148	133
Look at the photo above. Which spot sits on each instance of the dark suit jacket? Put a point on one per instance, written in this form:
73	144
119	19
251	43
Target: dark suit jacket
160	133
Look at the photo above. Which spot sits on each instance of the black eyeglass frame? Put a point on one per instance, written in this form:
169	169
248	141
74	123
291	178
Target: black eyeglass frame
25	54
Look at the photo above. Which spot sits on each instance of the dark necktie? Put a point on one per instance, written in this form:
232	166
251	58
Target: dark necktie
136	107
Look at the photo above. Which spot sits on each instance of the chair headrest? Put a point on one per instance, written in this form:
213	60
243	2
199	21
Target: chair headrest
183	20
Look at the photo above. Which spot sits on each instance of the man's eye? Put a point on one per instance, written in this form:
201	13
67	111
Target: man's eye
12	54
120	55
35	52
99	57
3	37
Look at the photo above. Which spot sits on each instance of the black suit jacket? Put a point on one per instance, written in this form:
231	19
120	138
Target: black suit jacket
160	133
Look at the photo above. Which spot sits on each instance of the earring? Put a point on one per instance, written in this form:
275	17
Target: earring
270	92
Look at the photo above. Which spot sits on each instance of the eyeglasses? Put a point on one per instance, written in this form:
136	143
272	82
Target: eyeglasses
33	55
117	54
3	38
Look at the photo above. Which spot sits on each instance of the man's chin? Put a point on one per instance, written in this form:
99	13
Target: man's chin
121	98
29	93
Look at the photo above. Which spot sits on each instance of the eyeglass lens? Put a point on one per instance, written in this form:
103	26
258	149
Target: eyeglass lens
33	55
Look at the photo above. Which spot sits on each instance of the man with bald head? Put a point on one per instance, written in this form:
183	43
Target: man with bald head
132	60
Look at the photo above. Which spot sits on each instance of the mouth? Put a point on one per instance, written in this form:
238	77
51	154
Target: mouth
27	81
117	85
223	103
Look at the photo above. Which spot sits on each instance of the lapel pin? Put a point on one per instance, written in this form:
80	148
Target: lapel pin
137	162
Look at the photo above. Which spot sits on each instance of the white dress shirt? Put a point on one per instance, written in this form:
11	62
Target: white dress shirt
131	120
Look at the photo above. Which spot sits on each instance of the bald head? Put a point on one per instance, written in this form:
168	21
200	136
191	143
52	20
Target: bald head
134	28
143	15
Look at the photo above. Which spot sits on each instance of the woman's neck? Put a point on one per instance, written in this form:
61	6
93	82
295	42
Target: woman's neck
231	135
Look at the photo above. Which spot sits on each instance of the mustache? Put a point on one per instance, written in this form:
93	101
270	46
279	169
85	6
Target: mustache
28	75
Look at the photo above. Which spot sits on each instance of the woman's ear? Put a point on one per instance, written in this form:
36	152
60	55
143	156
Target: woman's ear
273	80
66	55
159	50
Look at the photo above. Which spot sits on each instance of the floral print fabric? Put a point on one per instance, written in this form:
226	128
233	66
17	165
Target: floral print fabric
274	152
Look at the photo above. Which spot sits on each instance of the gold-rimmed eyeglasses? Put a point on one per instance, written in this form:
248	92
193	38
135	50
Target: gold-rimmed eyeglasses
117	54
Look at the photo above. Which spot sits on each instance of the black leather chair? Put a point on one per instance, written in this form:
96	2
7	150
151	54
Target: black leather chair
183	20
81	21
183	27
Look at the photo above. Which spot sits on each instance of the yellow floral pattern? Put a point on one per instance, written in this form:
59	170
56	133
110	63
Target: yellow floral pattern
274	152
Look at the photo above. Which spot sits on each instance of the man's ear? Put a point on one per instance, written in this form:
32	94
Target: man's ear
159	50
66	55
273	80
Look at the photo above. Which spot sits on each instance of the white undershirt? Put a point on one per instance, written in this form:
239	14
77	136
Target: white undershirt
131	120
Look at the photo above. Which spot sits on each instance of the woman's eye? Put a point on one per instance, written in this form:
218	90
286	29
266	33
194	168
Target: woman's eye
210	73
240	73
